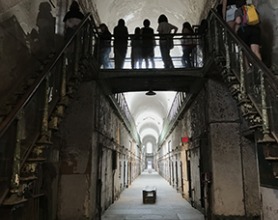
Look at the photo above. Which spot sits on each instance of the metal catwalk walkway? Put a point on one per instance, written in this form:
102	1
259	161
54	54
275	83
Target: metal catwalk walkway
169	203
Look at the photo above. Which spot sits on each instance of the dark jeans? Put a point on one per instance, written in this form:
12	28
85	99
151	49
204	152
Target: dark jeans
165	54
186	59
104	57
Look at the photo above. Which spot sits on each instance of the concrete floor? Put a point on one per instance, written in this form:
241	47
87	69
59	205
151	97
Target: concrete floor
169	204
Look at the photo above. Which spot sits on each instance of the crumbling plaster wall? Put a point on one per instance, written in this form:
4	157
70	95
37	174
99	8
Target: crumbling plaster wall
235	184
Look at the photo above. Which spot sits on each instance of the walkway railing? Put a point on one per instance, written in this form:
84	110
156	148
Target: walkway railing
194	41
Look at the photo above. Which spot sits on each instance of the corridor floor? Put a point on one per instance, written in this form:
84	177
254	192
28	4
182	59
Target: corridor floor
169	203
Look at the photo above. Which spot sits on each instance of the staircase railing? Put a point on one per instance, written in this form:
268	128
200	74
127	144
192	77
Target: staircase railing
25	132
251	82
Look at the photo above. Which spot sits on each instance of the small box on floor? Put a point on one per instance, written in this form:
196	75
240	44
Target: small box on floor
149	195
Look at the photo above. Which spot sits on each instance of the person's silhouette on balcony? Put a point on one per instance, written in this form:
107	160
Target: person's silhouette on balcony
136	49
104	46
148	43
120	43
166	42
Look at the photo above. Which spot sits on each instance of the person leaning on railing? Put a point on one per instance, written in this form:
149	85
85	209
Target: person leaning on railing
104	46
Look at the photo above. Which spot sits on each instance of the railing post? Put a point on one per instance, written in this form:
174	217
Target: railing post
241	75
44	139
17	153
90	41
266	131
59	113
227	53
216	36
76	55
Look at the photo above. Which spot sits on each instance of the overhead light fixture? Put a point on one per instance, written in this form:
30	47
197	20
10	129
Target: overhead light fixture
150	93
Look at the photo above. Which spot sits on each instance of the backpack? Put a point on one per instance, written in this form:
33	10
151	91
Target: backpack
250	15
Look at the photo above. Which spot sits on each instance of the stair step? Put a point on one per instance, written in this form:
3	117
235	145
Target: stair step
271	158
14	200
37	159
266	138
271	152
38	195
249	133
275	168
29	178
244	101
235	91
249	113
255	126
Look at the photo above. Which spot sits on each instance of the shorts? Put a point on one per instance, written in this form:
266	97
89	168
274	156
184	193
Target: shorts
250	35
230	13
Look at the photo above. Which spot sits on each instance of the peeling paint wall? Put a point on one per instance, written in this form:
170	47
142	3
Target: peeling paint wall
95	165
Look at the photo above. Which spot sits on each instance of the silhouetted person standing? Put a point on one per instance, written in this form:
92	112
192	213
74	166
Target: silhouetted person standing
136	49
46	29
148	43
164	29
120	43
104	46
72	19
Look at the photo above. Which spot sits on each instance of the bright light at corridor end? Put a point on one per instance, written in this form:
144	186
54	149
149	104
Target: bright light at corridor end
149	112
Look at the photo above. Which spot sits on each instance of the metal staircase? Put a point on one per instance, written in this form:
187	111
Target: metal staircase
34	113
253	86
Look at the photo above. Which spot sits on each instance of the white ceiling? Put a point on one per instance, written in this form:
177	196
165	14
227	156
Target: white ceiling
149	112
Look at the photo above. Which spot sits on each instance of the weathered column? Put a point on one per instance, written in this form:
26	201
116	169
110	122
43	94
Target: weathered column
234	187
78	156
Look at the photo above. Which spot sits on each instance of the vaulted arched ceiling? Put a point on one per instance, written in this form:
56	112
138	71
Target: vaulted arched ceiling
134	12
